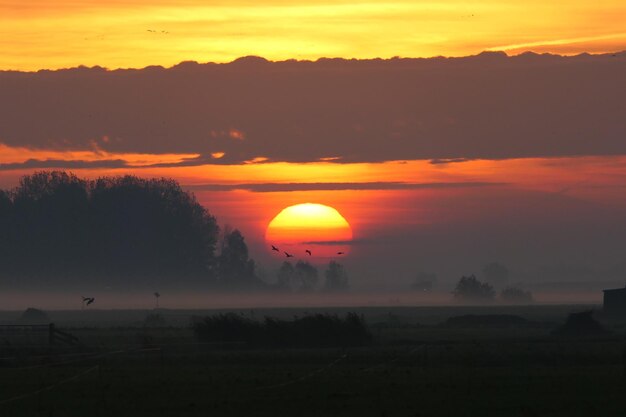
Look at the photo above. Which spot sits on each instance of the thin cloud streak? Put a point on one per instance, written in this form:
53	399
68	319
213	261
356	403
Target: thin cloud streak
558	42
339	186
63	164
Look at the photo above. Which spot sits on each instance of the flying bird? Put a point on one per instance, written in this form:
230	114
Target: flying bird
88	300
340	253
288	255
308	251
275	248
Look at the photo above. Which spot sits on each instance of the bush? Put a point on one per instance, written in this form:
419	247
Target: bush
486	320
34	316
226	328
318	330
581	325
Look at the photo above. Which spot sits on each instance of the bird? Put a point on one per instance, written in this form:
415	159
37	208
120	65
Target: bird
88	300
275	248
308	251
340	253
288	255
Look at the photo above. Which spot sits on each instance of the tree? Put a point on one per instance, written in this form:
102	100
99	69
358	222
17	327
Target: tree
336	278
59	229
471	289
235	267
49	233
516	295
285	276
496	274
151	229
306	275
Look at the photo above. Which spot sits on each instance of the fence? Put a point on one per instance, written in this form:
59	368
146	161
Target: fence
36	334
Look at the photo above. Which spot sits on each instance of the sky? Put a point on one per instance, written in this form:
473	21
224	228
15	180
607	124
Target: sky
440	165
36	34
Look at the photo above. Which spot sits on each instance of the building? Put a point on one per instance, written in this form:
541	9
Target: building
615	302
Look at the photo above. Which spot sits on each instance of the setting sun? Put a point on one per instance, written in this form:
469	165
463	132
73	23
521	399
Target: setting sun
315	227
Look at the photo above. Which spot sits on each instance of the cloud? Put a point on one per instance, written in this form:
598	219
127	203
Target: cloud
439	161
446	110
63	164
338	186
339	242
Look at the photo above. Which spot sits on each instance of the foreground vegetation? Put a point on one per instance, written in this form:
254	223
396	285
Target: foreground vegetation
456	367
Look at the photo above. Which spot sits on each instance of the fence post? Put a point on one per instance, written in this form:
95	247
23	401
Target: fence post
51	334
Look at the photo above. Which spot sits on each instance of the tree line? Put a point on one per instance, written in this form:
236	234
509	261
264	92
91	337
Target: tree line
57	229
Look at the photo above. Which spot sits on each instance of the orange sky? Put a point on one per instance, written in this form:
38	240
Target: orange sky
36	34
540	172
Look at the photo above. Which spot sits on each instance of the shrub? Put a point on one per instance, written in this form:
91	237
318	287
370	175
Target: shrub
318	330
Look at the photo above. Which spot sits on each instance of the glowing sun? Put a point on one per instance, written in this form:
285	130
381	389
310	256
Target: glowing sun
317	228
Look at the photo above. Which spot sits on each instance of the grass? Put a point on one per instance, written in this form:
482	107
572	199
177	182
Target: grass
409	370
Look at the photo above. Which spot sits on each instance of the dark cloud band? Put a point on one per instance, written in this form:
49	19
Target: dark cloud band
445	110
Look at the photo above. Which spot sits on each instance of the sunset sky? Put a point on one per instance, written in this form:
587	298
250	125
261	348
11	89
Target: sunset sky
36	34
439	165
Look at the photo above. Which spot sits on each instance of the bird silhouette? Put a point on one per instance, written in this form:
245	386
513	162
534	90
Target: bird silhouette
288	255
308	251
340	253
275	248
88	300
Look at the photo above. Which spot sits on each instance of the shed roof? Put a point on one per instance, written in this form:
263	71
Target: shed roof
615	290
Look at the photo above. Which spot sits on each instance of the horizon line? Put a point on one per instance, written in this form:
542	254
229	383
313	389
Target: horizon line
260	59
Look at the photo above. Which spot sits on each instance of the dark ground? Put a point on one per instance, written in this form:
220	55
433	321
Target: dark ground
411	369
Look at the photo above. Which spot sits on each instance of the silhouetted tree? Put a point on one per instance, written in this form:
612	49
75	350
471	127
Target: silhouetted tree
49	232
151	228
6	214
236	269
496	274
58	228
516	295
336	278
471	289
285	276
306	275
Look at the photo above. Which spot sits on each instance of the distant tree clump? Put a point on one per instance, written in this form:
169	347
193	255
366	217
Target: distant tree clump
516	295
336	278
424	282
306	275
496	274
57	229
285	276
471	289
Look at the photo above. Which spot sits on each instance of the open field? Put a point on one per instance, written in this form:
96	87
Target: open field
415	367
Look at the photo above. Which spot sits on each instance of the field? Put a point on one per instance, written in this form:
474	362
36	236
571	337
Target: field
415	367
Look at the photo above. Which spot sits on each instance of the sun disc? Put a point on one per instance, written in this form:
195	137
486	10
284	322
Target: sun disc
318	228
